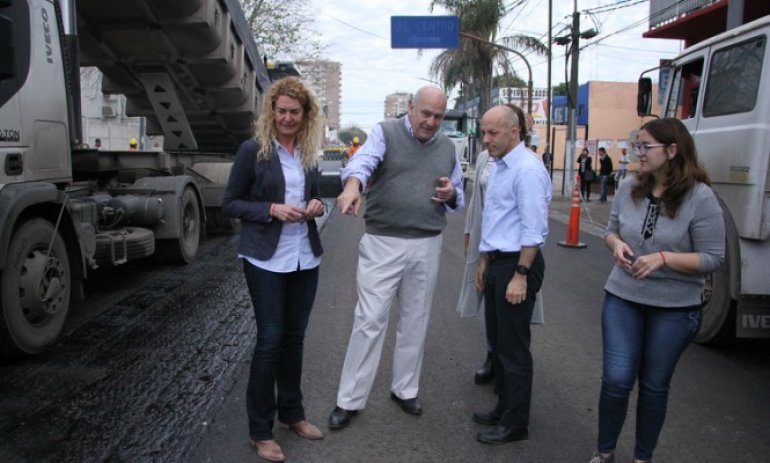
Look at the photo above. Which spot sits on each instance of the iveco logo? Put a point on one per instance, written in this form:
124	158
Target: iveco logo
47	33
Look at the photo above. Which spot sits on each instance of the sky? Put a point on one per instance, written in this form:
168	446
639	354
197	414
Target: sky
357	35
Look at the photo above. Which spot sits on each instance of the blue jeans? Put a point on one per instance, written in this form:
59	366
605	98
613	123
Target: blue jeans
282	303
640	342
603	181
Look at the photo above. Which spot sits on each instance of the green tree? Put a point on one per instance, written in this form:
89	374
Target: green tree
508	80
472	63
283	28
346	135
560	89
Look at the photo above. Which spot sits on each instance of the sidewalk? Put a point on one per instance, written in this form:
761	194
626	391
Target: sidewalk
593	214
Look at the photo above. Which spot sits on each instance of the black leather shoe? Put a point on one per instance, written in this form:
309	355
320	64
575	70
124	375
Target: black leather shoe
411	406
486	373
489	418
340	417
502	435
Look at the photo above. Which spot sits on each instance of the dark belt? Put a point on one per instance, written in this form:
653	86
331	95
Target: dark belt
494	255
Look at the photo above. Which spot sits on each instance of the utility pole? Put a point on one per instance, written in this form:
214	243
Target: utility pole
549	96
573	93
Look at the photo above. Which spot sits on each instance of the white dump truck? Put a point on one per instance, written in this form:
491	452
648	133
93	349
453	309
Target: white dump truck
190	67
720	89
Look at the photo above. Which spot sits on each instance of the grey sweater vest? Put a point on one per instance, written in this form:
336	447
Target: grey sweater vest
398	200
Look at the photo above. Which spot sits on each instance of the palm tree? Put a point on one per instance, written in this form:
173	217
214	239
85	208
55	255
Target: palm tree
472	63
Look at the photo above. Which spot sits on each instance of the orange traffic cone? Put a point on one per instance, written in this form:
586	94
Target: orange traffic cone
573	229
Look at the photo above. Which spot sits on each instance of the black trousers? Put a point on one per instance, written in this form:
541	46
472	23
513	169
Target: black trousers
513	360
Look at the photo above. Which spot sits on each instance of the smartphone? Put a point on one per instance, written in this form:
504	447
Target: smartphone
630	257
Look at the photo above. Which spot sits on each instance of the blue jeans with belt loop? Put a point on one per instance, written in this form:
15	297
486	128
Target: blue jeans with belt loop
645	343
282	304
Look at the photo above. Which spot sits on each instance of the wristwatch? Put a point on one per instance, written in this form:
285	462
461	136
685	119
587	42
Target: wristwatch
522	270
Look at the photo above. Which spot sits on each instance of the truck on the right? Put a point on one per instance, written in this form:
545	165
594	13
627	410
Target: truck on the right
720	89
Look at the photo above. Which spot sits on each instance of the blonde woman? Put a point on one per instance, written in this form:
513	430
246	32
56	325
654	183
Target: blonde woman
273	190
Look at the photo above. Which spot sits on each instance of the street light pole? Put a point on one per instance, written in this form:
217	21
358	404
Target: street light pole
502	47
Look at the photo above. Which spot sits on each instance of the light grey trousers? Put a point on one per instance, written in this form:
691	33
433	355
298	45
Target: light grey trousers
389	267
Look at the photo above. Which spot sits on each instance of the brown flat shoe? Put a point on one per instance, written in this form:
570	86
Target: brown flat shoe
269	450
306	430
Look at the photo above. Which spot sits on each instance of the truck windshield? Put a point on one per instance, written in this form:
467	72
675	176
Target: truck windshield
451	127
733	80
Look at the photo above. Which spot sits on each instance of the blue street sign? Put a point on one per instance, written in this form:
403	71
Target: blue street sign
424	31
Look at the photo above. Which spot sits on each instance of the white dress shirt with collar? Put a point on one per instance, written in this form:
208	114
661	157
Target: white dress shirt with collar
516	203
293	252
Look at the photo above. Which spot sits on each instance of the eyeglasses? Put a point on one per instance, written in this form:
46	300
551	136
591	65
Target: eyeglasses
642	148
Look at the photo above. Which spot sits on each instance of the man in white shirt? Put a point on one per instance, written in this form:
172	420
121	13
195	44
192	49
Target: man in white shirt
623	163
510	272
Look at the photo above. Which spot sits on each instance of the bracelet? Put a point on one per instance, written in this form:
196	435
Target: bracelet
662	256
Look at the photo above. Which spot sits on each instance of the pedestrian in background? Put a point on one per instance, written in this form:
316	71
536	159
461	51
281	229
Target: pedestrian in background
416	179
605	172
356	144
273	190
622	165
471	299
511	268
665	231
585	174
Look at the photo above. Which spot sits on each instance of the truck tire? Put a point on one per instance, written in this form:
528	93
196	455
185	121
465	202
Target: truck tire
218	221
126	244
34	290
184	249
717	326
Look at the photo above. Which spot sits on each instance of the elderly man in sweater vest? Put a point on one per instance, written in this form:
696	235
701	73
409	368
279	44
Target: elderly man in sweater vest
413	179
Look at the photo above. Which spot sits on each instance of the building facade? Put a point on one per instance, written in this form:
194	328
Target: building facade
396	104
325	78
606	117
104	118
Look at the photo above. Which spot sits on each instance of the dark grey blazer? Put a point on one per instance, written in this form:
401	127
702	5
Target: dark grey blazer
253	186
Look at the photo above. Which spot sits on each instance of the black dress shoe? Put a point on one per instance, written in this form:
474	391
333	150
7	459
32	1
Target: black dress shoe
486	373
340	417
502	435
489	418
411	406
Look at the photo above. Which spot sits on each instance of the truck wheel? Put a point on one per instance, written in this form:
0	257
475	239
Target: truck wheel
218	221
183	250
34	290
715	328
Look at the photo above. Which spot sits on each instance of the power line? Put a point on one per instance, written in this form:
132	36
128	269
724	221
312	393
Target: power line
353	26
631	26
615	6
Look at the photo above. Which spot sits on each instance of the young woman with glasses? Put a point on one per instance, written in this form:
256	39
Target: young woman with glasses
665	232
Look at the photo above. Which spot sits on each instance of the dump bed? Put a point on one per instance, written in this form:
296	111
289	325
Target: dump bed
190	67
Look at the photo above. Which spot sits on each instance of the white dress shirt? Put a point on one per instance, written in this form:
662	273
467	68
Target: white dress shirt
293	251
516	203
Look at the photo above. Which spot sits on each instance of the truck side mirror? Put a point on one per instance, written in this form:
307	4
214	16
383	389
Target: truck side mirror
644	97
